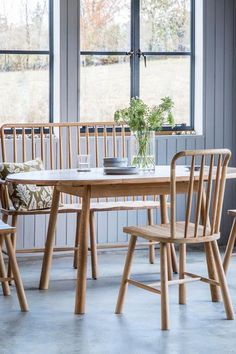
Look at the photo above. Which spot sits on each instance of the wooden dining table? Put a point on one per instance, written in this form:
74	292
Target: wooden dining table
95	184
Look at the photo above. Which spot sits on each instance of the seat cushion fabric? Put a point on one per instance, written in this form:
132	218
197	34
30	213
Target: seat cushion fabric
29	196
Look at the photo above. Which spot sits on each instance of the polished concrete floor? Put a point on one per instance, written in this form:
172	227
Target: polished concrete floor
51	326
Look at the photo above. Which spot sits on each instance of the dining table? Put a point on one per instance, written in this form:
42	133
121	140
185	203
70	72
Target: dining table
96	184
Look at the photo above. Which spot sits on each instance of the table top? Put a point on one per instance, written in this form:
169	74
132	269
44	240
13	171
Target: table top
96	176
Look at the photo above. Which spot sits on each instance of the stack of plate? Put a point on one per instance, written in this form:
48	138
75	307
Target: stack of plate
118	166
128	170
115	162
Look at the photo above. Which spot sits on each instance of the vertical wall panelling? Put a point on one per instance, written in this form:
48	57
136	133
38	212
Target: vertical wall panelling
209	69
219	73
219	87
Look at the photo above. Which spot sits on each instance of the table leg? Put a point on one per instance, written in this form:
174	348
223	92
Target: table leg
171	255
215	294
47	259
80	296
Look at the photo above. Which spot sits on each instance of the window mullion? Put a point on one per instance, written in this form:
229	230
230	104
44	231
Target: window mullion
51	60
192	66
135	44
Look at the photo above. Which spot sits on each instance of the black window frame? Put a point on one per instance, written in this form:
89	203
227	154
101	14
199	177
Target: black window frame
135	61
49	52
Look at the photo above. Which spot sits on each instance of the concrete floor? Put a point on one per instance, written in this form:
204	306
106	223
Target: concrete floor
51	326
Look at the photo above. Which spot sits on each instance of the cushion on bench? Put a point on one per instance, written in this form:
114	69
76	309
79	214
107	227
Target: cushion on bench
26	197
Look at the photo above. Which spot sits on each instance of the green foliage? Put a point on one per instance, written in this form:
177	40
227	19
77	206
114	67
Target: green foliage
140	117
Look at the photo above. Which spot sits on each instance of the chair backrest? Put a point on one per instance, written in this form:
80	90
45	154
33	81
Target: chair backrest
206	184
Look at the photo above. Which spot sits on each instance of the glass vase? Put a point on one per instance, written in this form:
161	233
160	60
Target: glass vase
143	150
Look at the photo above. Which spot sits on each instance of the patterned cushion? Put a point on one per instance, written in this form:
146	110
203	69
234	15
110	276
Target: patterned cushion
26	197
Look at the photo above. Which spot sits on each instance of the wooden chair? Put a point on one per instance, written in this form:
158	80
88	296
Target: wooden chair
187	232
58	145
231	242
5	235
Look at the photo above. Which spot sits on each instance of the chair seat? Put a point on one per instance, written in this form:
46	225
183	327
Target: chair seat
161	233
232	212
95	206
6	229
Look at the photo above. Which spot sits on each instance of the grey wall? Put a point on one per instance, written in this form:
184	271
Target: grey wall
218	119
219	125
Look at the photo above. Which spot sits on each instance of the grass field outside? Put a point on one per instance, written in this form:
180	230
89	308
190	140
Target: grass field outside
104	89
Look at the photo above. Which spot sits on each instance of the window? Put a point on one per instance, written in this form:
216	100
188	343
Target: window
138	48
25	61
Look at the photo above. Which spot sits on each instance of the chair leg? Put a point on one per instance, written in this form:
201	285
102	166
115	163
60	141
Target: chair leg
151	247
76	252
230	246
13	239
173	258
5	284
169	262
182	265
223	283
164	287
93	245
126	274
212	273
16	274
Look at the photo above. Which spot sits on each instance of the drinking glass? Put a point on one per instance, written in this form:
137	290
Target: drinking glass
83	162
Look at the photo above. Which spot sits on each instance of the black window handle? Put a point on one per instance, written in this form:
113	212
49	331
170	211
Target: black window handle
141	54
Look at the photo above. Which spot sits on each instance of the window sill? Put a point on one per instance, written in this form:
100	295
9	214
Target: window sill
177	132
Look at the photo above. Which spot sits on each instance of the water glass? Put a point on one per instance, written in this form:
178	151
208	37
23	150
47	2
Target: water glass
83	162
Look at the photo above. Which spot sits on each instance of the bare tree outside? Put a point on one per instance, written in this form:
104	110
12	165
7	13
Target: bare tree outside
104	24
105	80
165	25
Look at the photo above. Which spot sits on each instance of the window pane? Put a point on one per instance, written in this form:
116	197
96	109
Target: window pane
24	24
167	76
24	87
165	25
105	86
105	25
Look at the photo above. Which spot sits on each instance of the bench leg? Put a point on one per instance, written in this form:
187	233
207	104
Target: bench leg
13	239
151	247
75	263
93	244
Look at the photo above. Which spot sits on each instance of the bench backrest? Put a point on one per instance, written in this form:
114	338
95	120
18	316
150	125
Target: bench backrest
59	144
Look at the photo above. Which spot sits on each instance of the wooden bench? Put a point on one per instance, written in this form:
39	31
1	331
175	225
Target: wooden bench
58	145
